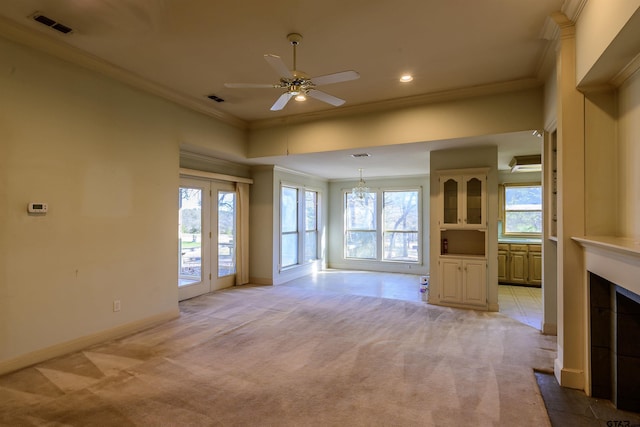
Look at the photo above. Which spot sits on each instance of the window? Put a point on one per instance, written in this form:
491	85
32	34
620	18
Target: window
398	236
310	225
298	211
360	226
522	209
289	226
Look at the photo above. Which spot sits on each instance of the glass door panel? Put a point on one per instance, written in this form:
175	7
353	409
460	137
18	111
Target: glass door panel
450	199
193	241
190	236
474	201
223	245
226	233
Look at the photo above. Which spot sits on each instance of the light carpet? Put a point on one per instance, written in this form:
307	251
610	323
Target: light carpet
283	356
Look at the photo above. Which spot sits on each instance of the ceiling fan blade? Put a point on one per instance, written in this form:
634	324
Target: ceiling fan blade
281	102
325	97
277	64
335	78
250	85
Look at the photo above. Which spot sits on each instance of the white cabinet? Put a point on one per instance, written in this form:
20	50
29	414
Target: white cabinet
463	201
464	280
461	278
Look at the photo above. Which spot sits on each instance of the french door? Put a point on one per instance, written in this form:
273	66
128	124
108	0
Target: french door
206	236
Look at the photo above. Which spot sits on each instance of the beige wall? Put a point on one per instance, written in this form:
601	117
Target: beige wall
473	116
597	158
598	26
629	157
105	158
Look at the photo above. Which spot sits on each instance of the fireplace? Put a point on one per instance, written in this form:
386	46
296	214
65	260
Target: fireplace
614	314
613	319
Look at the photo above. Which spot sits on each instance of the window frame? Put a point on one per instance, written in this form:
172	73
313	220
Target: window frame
380	227
505	211
415	231
301	224
347	230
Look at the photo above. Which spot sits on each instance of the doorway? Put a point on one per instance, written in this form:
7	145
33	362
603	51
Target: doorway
206	236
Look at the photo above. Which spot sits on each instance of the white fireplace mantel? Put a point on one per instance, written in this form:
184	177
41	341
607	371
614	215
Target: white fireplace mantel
616	259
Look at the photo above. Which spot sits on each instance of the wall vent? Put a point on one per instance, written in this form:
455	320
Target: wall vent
358	155
45	20
215	98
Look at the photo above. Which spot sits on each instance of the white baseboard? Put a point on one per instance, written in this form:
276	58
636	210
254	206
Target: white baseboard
570	378
77	344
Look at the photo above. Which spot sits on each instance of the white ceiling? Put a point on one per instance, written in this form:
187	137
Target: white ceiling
186	50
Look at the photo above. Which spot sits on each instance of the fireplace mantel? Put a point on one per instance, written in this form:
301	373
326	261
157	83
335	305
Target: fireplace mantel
613	319
617	259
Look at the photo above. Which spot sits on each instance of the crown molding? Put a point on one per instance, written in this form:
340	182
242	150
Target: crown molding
399	103
573	8
54	46
626	72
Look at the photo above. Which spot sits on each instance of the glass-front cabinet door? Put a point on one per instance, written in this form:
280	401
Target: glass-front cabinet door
463	200
474	198
450	201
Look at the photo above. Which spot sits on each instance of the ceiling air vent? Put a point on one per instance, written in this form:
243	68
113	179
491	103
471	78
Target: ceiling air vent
45	20
358	155
531	163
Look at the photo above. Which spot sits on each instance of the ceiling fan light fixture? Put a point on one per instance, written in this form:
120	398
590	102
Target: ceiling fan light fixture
300	97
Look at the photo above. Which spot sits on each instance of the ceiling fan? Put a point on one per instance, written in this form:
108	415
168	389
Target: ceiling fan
296	83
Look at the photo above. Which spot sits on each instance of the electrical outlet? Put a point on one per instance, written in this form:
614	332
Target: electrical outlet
116	305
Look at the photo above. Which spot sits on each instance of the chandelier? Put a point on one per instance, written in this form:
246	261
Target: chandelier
360	191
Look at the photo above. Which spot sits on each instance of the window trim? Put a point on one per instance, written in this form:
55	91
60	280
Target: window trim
504	209
300	222
380	232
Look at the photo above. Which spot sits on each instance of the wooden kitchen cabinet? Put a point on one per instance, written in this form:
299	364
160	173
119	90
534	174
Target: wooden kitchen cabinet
520	264
503	254
535	265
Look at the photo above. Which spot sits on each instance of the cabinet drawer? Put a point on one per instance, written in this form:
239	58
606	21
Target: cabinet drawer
519	248
503	246
535	248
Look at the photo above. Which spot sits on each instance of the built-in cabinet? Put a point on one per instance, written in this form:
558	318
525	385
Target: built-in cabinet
462	263
464	280
463	201
520	264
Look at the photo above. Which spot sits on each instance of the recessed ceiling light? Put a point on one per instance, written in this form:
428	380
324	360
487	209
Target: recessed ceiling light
406	78
300	97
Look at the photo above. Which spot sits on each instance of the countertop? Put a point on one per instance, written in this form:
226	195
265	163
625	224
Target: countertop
522	240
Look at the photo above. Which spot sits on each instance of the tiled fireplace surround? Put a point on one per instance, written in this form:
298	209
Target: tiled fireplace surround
613	289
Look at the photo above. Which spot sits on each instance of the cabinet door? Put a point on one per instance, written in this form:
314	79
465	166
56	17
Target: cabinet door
451	280
535	268
450	189
474	201
502	266
474	282
518	266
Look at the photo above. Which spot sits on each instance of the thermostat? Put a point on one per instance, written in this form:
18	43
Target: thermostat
37	208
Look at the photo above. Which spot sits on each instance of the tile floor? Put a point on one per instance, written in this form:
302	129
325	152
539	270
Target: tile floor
522	303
